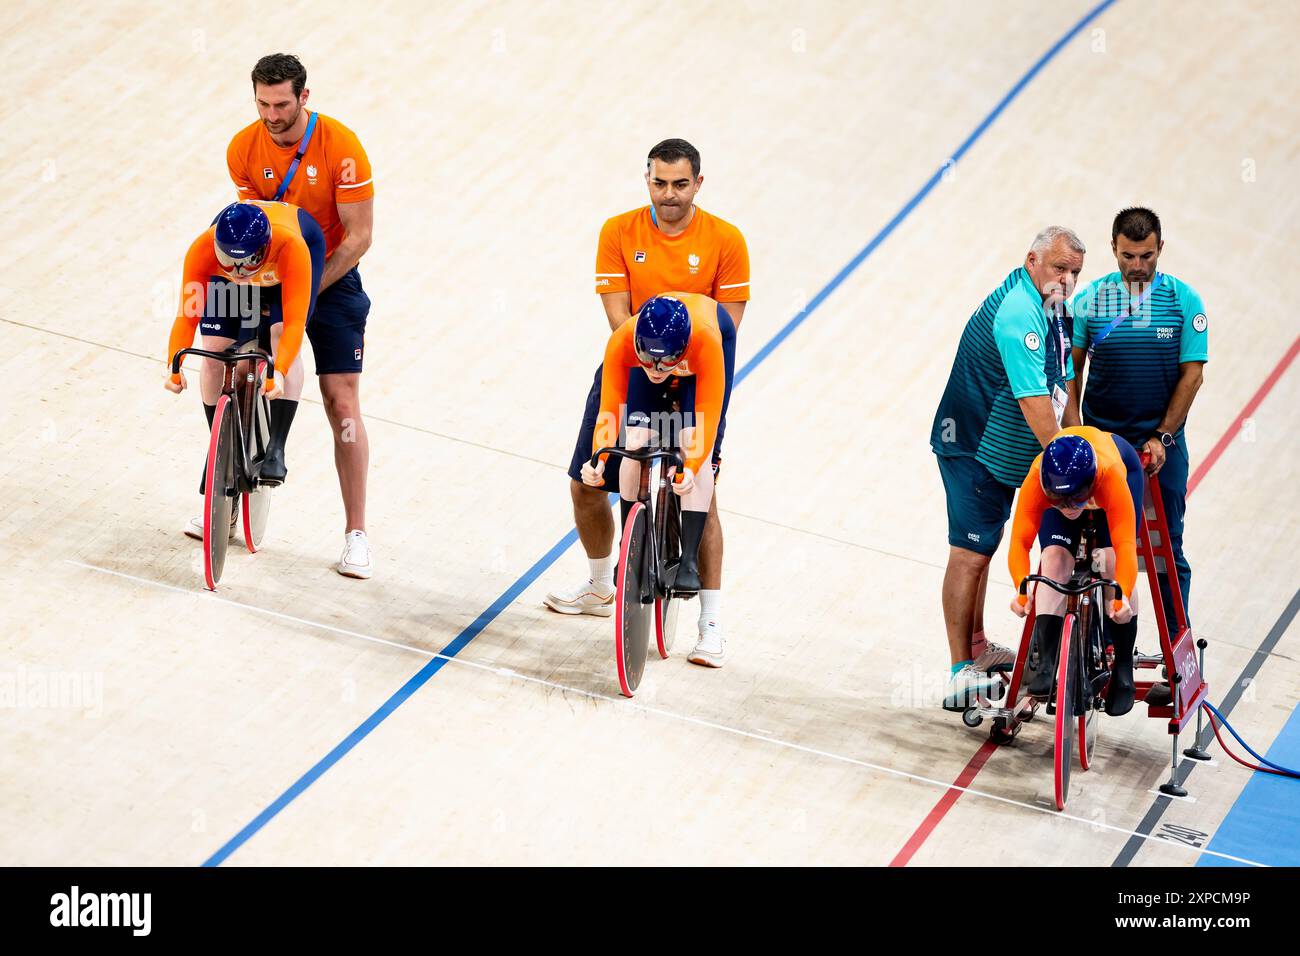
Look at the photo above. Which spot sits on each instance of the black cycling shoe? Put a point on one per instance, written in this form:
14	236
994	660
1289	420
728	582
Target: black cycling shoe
688	570
1047	635
1121	693
273	470
688	576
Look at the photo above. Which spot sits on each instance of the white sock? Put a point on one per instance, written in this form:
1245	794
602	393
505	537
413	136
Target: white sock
602	572
710	610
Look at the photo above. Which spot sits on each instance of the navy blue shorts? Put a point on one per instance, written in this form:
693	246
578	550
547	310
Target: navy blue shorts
670	404
338	329
978	504
1056	529
239	311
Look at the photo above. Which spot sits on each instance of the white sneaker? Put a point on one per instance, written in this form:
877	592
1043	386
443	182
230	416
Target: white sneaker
710	650
355	562
995	655
195	528
587	598
965	685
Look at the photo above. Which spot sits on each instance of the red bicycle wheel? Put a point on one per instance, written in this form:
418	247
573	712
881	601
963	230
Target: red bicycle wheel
631	617
217	504
1065	717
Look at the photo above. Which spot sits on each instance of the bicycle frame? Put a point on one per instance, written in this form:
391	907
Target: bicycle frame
1084	596
245	423
650	458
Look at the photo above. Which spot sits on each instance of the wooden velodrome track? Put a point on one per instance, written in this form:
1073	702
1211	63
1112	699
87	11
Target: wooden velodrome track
300	717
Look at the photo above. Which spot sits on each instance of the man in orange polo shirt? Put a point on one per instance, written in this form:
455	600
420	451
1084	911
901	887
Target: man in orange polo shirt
669	245
331	180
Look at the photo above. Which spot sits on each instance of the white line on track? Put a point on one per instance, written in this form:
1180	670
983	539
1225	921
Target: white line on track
510	674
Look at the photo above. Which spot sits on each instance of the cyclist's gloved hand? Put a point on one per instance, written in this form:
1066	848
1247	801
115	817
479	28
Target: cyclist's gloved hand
273	387
1018	608
1121	612
594	477
684	481
175	383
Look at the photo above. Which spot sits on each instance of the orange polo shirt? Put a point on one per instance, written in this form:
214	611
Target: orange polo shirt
709	258
334	170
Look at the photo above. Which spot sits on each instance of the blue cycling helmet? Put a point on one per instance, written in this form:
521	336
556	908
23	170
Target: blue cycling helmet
1068	471
663	330
242	238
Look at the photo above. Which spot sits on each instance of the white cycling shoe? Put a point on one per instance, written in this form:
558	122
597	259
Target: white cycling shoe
587	598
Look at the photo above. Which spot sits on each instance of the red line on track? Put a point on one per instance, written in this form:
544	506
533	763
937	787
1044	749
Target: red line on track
944	805
977	762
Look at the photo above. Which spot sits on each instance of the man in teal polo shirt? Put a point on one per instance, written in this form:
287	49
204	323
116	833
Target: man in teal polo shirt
1006	398
1147	336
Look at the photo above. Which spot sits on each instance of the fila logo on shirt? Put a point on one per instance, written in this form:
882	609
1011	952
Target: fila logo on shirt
268	173
639	257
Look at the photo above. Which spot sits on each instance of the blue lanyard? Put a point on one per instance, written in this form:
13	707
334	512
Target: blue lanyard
293	167
1135	306
1062	339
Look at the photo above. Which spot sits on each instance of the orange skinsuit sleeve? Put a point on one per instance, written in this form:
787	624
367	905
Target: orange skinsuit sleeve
1030	505
200	262
294	266
1113	495
710	387
613	388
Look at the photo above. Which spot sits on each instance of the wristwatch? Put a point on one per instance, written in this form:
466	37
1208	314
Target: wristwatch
1166	438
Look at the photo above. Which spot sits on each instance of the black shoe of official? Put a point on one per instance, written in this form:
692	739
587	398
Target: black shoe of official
273	470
